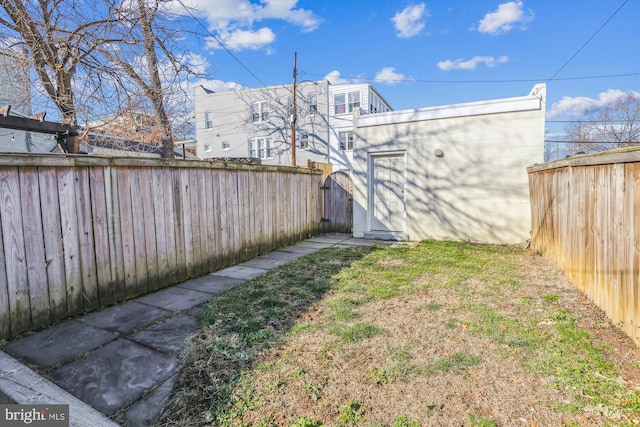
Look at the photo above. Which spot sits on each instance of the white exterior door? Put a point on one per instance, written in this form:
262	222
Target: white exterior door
387	186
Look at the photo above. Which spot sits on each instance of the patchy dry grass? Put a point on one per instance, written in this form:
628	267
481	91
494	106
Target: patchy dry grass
429	334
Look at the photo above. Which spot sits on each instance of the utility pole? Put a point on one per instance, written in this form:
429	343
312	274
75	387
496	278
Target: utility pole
293	113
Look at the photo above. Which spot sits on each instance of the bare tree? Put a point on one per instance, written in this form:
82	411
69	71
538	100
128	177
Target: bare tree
614	125
121	49
58	43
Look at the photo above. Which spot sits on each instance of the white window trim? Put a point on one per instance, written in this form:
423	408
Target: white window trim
259	111
303	137
349	139
313	106
267	147
344	104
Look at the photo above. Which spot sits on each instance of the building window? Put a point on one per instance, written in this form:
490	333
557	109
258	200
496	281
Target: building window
340	104
225	145
261	148
303	139
312	100
207	148
346	140
259	111
354	101
208	120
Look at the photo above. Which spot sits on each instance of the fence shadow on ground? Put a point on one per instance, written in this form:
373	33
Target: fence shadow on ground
239	324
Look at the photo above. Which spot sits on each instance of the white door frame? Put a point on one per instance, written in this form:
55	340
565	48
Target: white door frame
371	156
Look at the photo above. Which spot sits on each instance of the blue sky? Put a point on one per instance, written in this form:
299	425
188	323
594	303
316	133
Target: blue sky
422	54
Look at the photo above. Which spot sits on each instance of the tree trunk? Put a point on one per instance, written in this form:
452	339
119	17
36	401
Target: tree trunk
155	84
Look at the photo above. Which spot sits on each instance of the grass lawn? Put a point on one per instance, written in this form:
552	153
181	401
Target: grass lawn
422	334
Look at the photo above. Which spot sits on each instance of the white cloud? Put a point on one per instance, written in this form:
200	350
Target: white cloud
576	106
410	21
389	75
243	39
233	21
218	85
471	64
504	18
334	78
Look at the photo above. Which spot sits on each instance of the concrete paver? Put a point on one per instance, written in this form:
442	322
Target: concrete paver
299	249
263	264
238	272
175	298
147	411
62	342
314	245
125	358
115	375
282	255
125	318
168	336
211	284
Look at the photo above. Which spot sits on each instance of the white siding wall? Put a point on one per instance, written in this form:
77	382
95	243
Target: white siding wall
478	190
231	112
343	159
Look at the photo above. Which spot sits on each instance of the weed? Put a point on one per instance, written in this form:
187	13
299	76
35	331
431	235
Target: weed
480	421
313	391
404	421
551	297
381	377
432	306
399	353
351	413
359	331
451	323
269	421
456	363
305	421
343	308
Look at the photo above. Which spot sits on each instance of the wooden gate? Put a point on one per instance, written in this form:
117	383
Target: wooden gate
338	203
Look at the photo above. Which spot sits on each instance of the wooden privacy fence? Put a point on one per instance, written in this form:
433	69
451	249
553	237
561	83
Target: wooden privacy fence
78	233
586	218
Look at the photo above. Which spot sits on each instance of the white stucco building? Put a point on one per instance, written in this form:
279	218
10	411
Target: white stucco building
452	172
257	122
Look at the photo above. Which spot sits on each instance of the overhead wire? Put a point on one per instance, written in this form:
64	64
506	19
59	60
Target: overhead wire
588	41
222	45
408	80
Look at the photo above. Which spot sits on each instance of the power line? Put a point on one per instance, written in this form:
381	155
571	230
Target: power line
222	45
590	142
361	79
588	40
588	121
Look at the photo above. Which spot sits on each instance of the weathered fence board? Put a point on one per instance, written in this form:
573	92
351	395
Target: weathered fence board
99	191
52	234
14	252
5	315
80	232
116	253
34	245
150	234
586	218
71	245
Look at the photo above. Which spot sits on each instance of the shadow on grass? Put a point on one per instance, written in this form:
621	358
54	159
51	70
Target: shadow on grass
239	324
